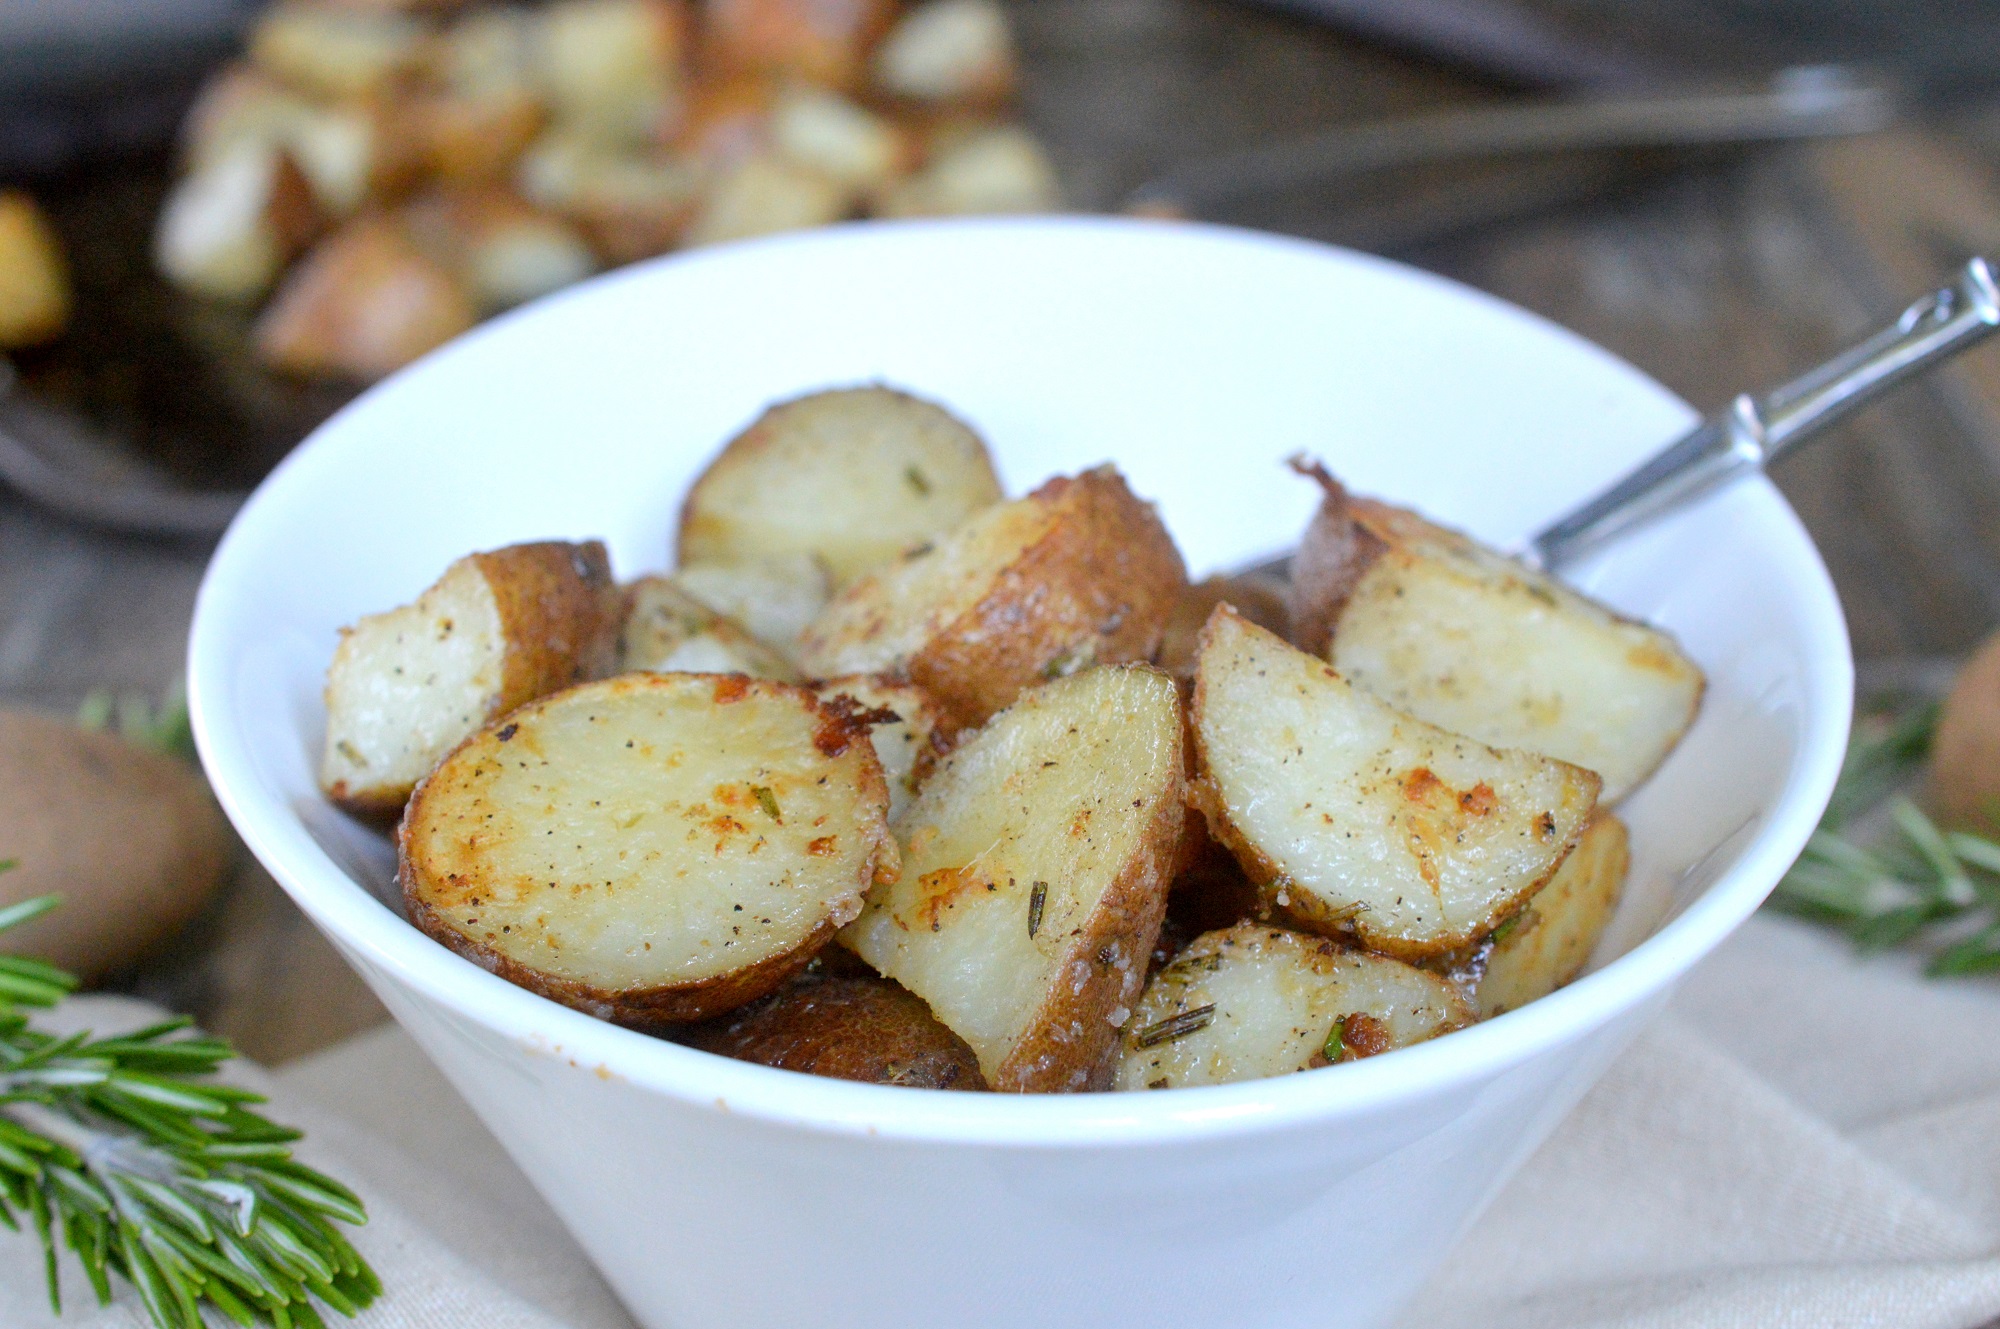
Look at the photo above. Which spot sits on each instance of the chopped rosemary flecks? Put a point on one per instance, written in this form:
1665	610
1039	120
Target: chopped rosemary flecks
917	481
129	1153
1920	882
767	801
1335	1046
1500	933
1175	1026
1037	898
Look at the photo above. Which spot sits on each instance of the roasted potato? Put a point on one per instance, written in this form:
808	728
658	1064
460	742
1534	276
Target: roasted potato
1964	785
1358	820
847	1028
851	477
496	630
909	745
1003	169
1256	1001
365	302
726	118
502	251
776	598
1467	640
666	630
34	276
823	42
1078	573
1547	944
611	69
948	51
467	141
232	224
1036	862
1258	597
333	52
763	195
715	831
631	205
840	140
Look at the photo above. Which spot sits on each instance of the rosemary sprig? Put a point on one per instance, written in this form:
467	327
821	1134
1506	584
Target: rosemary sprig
1919	884
125	1151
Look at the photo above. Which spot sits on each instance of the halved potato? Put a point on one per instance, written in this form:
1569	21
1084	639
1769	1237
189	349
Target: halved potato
496	630
1547	944
948	51
1258	597
851	477
652	848
34	275
908	746
776	598
1078	573
1457	635
666	630
1357	819
1257	1001
847	1028
1035	876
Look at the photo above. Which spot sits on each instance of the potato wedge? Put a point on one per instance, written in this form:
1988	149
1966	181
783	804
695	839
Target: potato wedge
1004	169
365	302
908	746
851	477
766	194
948	51
34	275
846	1028
1035	876
231	224
1078	573
496	630
1547	944
823	42
1470	641
652	848
666	630
1258	597
1358	820
1255	1001
776	598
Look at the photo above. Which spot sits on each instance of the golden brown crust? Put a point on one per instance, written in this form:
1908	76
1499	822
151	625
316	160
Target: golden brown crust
846	1027
560	611
1260	599
1098	588
1073	1039
1336	551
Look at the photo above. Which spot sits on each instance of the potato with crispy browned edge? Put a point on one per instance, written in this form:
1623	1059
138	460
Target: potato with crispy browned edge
908	745
846	1028
1358	820
851	477
1036	861
666	630
652	848
1455	634
1257	1001
1547	944
1078	573
496	630
1259	597
775	598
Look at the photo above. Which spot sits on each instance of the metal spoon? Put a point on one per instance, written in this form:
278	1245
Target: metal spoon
1754	431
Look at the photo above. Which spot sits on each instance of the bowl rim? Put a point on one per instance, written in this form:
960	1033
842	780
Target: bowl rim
366	929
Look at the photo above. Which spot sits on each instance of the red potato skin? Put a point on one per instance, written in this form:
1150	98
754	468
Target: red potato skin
845	1026
1334	554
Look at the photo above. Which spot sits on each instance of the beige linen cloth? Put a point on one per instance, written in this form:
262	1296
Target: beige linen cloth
1808	1140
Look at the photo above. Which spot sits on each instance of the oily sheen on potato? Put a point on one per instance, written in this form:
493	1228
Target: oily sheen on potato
1547	944
1457	635
1357	819
666	630
850	477
1035	872
1253	1001
496	630
650	848
1078	573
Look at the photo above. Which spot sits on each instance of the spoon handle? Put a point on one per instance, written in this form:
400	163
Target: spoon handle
1754	431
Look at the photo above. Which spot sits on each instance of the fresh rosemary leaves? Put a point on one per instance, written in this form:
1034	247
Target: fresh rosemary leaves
125	1151
1919	884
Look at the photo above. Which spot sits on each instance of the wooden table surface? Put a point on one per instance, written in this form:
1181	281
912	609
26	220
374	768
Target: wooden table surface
1713	275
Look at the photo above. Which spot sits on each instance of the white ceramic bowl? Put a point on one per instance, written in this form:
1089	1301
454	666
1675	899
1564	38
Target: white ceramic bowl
713	1193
